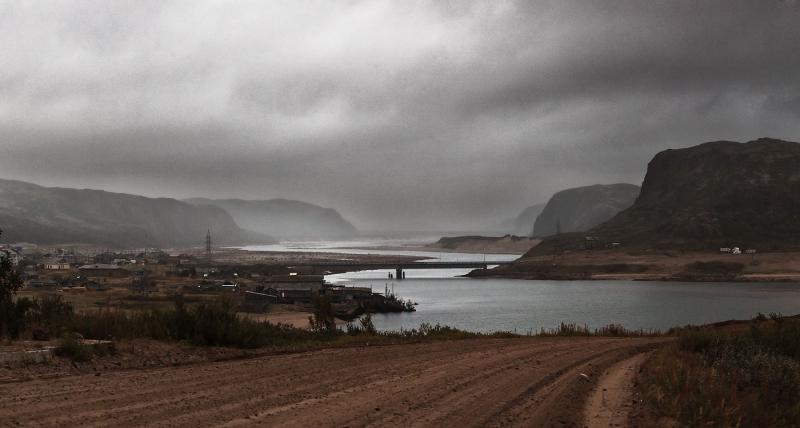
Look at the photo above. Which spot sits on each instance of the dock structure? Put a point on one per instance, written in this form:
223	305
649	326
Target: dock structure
399	268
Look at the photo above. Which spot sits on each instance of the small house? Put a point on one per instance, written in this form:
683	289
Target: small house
96	286
43	283
100	270
295	282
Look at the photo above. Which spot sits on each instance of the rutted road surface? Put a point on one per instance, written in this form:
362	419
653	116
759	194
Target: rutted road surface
482	382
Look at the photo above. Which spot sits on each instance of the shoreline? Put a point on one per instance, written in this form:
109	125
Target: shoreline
423	248
618	265
778	278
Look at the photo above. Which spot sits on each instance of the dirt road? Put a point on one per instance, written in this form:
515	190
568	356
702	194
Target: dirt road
611	402
484	382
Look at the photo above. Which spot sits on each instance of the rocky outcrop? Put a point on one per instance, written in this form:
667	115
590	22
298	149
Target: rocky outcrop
581	208
717	194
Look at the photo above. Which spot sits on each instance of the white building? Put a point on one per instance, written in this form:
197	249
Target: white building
56	265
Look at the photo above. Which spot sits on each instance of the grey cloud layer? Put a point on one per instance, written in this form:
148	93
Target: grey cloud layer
400	114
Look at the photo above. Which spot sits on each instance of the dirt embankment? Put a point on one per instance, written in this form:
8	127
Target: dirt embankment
482	382
508	244
128	355
653	266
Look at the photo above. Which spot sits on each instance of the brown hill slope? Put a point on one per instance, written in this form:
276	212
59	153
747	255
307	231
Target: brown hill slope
715	194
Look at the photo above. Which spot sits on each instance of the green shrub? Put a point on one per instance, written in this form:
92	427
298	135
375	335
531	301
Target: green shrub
323	319
364	327
72	347
52	314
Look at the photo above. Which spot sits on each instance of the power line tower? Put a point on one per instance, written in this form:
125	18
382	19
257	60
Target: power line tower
208	246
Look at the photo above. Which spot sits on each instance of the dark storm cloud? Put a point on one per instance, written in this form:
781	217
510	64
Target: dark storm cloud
400	114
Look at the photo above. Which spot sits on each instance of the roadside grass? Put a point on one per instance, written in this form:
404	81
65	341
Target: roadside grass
610	330
727	378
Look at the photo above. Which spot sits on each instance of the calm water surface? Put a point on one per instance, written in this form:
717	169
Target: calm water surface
523	305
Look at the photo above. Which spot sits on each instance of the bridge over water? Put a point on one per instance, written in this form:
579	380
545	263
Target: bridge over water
400	267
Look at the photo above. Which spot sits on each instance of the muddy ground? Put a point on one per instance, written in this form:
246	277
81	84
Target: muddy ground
479	382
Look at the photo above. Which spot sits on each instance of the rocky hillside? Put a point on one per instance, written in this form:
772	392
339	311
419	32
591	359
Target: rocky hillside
581	208
717	194
53	215
523	224
285	219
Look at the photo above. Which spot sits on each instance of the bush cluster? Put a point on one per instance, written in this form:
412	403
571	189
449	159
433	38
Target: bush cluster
710	377
204	324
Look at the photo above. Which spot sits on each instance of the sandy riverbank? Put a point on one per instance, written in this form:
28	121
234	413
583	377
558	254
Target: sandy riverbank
294	318
653	266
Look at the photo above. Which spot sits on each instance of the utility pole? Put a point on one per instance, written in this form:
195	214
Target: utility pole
208	246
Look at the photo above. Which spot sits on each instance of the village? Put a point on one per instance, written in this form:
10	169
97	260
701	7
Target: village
149	278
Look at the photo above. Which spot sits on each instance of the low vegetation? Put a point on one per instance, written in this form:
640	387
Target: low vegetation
610	330
712	377
715	267
214	323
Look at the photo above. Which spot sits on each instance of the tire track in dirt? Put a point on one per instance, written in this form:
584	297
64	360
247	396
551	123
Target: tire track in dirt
179	379
425	386
610	403
465	382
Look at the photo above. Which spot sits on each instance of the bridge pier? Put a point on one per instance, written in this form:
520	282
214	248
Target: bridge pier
399	274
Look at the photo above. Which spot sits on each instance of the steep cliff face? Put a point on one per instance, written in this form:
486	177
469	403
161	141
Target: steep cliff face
581	208
718	193
52	215
523	224
285	219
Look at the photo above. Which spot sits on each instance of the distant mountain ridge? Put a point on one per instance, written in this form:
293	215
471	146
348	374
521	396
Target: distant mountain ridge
581	208
284	218
54	215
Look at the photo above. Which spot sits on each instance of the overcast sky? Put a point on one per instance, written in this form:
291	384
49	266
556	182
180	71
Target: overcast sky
403	114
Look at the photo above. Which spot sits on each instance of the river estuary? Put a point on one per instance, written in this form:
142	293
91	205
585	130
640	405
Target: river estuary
522	305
